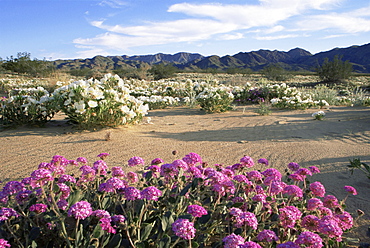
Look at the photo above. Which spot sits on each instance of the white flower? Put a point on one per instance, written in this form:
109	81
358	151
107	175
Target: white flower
80	107
92	104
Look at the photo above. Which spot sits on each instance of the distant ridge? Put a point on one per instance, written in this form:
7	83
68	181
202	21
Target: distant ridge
295	59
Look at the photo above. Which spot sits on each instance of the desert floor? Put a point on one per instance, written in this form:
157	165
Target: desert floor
282	137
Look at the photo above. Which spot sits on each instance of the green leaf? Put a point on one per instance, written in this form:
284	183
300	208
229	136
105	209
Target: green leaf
97	233
146	232
165	242
75	197
185	189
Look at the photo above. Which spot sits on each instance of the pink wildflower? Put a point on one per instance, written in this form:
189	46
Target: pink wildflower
293	191
118	219
250	244
106	225
100	167
309	240
233	241
345	220
80	210
263	161
151	193
13	187
289	215
314	169
6	213
4	243
317	189
330	201
82	160
293	166
350	190
329	226
267	236
100	213
184	229
117	172
103	155
132	177
197	211
192	159
288	244
38	208
247	161
134	161
131	193
156	161
314	203
310	222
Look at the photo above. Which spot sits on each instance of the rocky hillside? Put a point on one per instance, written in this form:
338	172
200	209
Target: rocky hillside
295	59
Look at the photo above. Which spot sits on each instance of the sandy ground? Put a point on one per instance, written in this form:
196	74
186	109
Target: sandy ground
282	137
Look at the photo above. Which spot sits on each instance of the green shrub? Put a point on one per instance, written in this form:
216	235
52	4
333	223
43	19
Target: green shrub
275	72
23	64
161	71
334	71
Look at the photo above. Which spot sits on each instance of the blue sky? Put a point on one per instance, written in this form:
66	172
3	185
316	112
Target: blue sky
67	29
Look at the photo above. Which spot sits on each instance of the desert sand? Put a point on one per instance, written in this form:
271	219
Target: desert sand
282	137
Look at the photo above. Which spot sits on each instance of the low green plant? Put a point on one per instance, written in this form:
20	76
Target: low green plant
357	164
263	109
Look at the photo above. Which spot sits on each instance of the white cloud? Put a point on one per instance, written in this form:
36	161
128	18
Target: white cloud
116	4
235	36
228	22
277	37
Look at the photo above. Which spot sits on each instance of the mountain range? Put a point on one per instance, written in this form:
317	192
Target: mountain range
295	59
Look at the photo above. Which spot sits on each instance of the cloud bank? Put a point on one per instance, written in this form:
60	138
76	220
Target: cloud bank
267	20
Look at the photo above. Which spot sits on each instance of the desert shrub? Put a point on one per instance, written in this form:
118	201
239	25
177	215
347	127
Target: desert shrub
160	71
215	100
95	103
24	64
263	109
334	71
27	106
275	72
184	203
